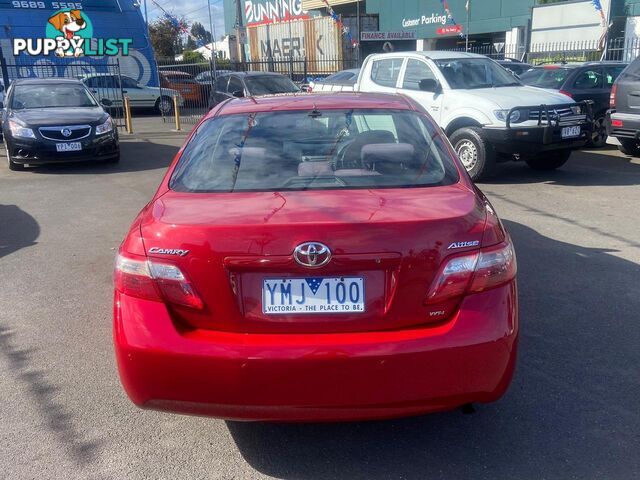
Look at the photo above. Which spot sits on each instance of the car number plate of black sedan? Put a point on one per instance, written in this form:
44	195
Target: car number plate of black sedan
69	147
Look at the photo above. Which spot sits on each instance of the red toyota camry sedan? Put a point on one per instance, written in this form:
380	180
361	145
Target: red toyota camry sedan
316	258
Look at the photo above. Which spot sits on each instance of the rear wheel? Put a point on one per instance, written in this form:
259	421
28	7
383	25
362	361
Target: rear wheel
549	160
629	146
599	135
164	105
477	156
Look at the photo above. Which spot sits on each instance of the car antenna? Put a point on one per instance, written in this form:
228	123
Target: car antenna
315	113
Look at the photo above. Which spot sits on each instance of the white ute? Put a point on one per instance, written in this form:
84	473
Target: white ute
488	115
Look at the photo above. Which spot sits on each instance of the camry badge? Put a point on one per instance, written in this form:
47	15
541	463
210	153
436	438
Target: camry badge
455	245
169	251
312	254
65	132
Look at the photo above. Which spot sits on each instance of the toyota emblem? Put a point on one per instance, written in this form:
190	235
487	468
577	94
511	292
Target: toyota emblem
65	132
312	254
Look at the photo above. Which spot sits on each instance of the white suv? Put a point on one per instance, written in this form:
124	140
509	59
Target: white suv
488	115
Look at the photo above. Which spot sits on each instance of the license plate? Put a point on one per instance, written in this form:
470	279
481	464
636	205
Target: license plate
317	295
570	132
69	147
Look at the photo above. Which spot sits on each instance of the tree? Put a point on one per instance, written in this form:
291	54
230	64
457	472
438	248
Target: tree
189	56
201	33
165	38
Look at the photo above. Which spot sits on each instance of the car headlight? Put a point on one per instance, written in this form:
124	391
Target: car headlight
21	131
517	116
105	127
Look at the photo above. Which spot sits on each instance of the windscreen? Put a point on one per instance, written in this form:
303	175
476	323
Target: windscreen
545	77
470	73
332	149
51	96
269	84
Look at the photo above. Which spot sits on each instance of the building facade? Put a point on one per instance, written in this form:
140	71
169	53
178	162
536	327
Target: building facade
491	25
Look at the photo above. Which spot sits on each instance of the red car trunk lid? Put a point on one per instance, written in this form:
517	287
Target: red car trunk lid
394	239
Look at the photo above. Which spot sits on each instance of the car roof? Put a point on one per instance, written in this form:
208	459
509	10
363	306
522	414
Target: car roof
319	101
175	72
572	65
255	74
93	75
46	81
433	55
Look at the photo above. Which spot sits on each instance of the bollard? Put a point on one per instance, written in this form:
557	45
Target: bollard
127	115
176	111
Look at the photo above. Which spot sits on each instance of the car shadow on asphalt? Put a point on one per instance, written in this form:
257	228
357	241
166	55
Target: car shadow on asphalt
18	229
571	412
587	168
136	156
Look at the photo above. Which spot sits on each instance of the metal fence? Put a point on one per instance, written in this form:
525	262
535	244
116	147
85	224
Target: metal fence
103	79
195	81
617	49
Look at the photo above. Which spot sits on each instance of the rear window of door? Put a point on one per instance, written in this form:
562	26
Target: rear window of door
611	74
235	85
589	80
385	72
415	72
221	84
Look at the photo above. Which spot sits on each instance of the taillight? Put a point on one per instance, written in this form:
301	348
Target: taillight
564	92
473	273
142	278
612	97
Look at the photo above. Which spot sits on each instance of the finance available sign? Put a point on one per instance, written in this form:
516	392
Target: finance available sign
386	36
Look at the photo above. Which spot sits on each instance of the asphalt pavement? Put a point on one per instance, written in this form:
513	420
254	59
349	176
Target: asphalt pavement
573	410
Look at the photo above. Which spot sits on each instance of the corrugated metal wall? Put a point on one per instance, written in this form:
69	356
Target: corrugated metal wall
316	39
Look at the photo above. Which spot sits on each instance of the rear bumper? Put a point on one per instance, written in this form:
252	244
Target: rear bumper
629	127
326	377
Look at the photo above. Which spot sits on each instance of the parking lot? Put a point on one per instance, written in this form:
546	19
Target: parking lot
572	411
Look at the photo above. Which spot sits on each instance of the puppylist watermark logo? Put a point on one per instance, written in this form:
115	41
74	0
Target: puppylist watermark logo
69	33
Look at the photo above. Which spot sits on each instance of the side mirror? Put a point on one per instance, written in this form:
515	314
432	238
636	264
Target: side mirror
429	85
238	94
105	102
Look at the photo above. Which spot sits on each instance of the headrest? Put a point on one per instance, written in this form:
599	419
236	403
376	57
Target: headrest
387	152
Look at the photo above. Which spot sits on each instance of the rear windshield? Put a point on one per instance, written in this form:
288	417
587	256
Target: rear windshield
545	77
269	84
333	149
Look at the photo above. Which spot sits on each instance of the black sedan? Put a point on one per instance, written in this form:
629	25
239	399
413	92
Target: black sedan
55	121
250	84
580	81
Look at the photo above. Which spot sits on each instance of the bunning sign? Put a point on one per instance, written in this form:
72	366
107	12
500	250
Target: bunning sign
386	36
262	12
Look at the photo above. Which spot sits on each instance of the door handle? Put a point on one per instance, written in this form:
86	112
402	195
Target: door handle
124	91
94	91
634	94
